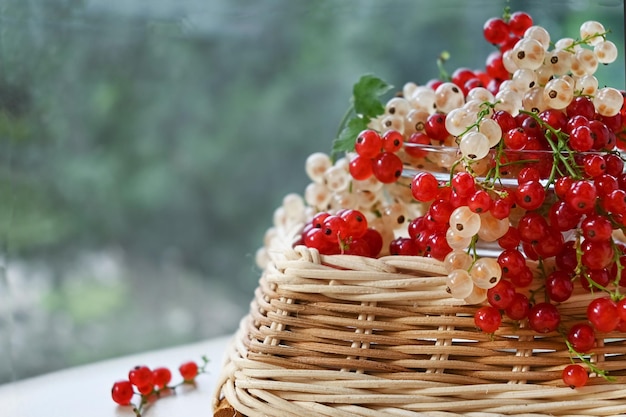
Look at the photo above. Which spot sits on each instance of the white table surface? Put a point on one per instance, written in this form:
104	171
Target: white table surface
86	390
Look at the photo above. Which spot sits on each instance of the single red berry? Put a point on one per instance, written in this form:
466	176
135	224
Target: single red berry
146	390
581	196
575	376
188	370
424	187
511	239
480	202
597	255
361	168
387	167
141	376
581	106
436	126
603	314
161	377
463	184
356	223
512	262
368	144
496	31
392	141
530	195
596	228
559	286
487	319
544	317
122	392
519	22
501	295
582	337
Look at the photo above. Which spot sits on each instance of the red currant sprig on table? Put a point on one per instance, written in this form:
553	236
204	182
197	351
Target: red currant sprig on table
150	384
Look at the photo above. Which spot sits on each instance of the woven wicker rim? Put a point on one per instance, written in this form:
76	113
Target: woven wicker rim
343	335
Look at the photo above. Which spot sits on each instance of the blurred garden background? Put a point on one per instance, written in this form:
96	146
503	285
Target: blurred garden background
144	145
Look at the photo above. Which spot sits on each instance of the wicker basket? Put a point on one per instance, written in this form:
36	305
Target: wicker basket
343	335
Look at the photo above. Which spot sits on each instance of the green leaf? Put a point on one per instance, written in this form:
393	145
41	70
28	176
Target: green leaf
365	94
345	140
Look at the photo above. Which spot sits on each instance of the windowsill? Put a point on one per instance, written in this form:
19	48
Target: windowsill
85	390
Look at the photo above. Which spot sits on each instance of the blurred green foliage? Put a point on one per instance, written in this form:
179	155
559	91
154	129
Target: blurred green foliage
169	130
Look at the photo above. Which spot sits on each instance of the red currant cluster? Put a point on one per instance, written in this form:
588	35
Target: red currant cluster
150	384
345	232
533	171
376	156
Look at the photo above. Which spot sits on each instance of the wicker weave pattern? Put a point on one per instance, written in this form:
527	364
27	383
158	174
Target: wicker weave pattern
351	336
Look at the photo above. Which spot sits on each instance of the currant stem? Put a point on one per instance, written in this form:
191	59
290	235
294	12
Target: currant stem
593	368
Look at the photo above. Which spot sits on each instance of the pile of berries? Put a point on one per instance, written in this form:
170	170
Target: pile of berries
150	384
522	157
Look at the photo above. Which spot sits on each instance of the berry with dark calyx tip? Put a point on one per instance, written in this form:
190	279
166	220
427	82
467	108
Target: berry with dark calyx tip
530	195
387	167
318	220
516	139
316	239
368	144
501	295
141	376
161	377
512	262
392	141
487	319
596	228
122	392
581	196
582	337
575	376
189	371
544	317
528	174
594	165
438	246
480	202
436	126
581	139
356	223
334	228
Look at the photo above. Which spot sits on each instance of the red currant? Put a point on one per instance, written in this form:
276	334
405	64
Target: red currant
188	370
141	376
575	376
603	314
519	22
559	286
392	141
519	307
162	377
582	337
487	319
501	295
496	31
368	144
544	317
361	168
122	392
387	167
424	187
